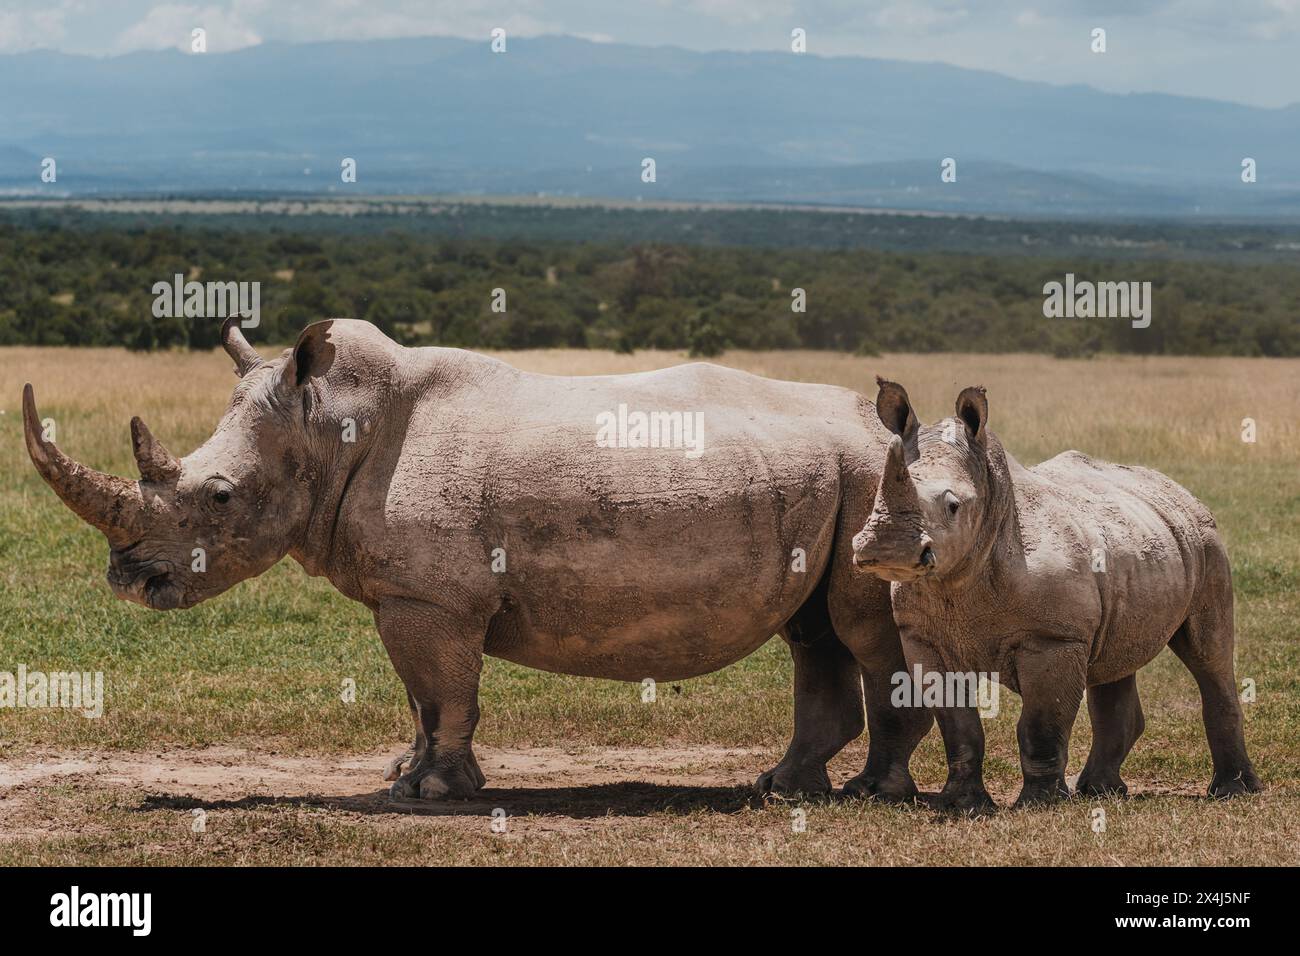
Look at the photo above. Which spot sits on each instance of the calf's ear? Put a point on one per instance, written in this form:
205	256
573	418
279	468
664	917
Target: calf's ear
895	411
313	354
973	409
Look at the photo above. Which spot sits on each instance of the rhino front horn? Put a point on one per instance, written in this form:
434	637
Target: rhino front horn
107	502
895	461
156	462
897	492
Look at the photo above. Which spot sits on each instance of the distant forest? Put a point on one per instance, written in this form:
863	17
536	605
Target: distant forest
83	280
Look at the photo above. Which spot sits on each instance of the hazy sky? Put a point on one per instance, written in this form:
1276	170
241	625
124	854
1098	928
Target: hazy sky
1242	50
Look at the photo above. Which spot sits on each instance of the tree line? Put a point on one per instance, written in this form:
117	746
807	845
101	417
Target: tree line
90	284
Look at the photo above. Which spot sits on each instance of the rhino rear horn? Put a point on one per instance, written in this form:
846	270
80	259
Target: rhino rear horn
111	504
156	463
237	347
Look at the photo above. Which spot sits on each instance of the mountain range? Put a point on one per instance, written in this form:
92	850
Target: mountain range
568	117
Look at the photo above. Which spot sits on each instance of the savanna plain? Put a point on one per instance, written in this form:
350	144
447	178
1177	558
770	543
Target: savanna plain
225	738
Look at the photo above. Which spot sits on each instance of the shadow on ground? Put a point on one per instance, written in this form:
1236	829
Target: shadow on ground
624	799
627	799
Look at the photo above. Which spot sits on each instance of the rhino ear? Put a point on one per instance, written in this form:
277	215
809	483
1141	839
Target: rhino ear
895	411
313	354
973	409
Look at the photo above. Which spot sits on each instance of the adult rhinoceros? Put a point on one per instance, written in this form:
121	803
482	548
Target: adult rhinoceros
471	507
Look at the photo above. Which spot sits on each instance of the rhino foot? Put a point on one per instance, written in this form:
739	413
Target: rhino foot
1100	785
971	801
1041	792
393	769
443	781
1242	782
791	780
890	788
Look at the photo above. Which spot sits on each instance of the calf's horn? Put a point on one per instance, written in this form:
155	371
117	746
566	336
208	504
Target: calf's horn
896	485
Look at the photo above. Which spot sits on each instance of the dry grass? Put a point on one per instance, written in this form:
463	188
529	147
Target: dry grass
1127	408
261	665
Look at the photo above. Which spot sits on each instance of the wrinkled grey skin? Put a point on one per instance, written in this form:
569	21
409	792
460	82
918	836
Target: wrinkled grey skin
619	563
992	570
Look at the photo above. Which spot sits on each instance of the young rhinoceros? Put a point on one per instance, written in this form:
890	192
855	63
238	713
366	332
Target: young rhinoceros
1068	575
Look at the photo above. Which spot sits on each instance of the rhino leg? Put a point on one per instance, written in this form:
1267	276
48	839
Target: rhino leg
1116	715
393	769
963	743
894	733
438	657
864	622
1052	674
1204	645
827	716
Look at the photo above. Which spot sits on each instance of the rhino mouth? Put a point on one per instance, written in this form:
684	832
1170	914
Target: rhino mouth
161	593
900	573
145	582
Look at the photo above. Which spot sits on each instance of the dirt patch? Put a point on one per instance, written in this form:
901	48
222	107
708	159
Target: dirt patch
576	784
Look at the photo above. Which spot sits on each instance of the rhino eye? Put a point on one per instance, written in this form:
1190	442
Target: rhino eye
953	504
220	491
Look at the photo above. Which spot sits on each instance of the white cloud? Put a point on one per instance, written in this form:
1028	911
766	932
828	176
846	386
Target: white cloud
917	18
32	29
169	26
305	21
740	11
